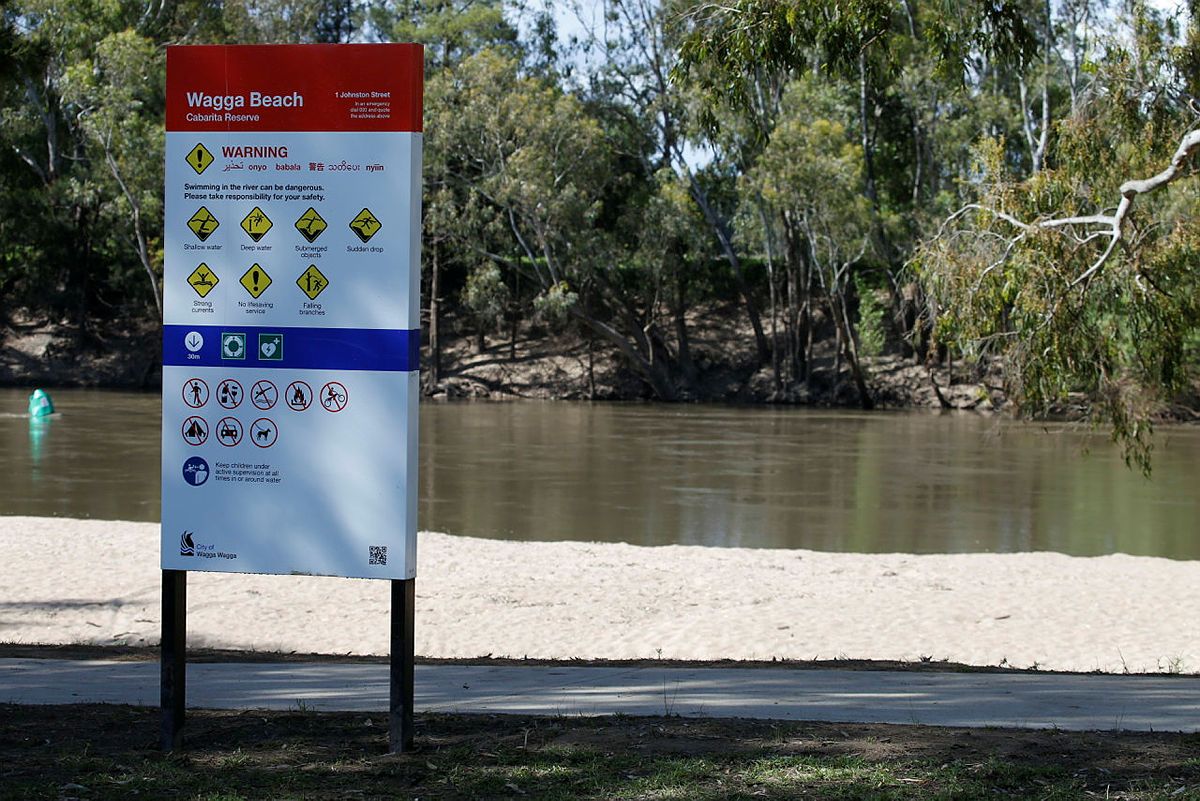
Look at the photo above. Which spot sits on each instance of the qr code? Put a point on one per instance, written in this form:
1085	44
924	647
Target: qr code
378	555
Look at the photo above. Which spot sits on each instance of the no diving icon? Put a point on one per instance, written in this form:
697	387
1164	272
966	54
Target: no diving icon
264	395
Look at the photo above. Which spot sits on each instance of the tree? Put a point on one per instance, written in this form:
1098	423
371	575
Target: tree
810	177
539	195
1085	277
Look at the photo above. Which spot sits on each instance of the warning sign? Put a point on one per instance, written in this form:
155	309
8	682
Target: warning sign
202	280
312	282
365	225
256	224
203	223
256	281
310	225
199	158
290	346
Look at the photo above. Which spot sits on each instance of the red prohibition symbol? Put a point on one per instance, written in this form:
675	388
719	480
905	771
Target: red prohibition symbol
334	396
229	394
195	431
195	393
264	432
298	396
229	431
264	394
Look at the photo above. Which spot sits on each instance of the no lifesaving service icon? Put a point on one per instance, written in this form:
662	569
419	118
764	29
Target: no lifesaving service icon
256	281
203	280
198	158
256	224
203	223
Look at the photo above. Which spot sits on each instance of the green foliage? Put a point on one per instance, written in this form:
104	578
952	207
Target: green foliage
1066	318
873	311
486	295
803	145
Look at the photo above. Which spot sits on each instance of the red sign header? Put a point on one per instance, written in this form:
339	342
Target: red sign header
354	87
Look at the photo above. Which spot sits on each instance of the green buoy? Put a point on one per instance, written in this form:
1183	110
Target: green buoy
40	404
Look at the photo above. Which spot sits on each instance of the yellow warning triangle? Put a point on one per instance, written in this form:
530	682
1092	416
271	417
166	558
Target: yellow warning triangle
256	281
312	282
203	280
256	224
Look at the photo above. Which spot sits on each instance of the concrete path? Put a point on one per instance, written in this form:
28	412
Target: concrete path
1083	702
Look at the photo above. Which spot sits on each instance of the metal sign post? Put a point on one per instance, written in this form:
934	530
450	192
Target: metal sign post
291	327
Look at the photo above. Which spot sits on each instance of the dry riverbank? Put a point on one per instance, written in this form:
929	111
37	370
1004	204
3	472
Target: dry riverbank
81	581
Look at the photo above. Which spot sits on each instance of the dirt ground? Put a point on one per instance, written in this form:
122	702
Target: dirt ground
90	751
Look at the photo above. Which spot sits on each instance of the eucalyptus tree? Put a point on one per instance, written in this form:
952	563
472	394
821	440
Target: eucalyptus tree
635	50
541	197
82	113
810	177
1085	276
450	31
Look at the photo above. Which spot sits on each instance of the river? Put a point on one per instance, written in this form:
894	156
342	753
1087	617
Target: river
761	477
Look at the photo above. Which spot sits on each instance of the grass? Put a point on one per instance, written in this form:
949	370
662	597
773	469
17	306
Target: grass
109	752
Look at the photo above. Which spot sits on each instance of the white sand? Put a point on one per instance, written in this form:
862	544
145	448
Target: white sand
80	581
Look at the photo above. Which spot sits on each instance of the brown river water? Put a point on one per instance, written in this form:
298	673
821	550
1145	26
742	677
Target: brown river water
697	475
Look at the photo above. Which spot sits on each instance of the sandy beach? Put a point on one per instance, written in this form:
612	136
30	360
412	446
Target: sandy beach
97	582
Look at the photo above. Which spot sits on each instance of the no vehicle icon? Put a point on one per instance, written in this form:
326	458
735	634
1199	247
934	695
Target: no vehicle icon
229	431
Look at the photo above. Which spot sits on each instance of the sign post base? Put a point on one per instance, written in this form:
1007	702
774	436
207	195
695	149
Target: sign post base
400	708
173	659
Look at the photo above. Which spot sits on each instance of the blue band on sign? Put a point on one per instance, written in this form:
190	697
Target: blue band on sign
264	347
